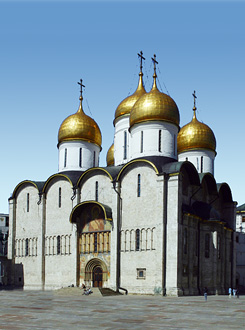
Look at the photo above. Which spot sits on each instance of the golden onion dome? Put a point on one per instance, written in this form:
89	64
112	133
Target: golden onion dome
126	105
195	135
154	106
110	156
79	126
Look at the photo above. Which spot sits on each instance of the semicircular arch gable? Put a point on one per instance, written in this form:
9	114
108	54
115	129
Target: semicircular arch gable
208	180
94	171
225	192
132	163
55	177
22	184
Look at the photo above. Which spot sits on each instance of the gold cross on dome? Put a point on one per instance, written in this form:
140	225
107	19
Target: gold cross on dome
81	87
141	59
155	62
194	95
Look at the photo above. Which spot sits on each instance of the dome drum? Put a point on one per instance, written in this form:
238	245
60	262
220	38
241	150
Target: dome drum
78	155
154	138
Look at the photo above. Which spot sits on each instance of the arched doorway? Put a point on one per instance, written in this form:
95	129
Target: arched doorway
96	273
97	277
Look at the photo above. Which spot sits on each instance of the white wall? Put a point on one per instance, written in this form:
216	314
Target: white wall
143	213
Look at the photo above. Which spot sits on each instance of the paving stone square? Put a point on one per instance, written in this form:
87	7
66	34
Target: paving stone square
72	310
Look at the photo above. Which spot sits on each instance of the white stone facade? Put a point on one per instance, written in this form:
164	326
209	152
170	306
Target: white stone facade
148	224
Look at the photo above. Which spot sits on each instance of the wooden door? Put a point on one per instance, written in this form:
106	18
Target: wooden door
97	277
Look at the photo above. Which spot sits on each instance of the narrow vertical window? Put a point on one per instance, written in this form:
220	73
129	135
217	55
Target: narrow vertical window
141	142
94	160
80	157
137	240
27	202
125	146
185	241
197	164
218	246
27	248
207	245
201	164
197	243
59	202
160	141
186	158
139	186
95	242
58	244
174	144
96	191
65	157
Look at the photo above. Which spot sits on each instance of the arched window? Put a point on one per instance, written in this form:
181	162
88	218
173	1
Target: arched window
141	142
27	202
27	248
218	246
125	146
65	157
201	164
160	141
96	191
139	186
185	241
137	240
80	157
207	245
96	242
58	244
59	201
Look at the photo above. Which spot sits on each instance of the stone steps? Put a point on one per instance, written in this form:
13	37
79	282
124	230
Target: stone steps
108	292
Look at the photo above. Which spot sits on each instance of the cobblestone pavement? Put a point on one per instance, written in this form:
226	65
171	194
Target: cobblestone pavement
49	310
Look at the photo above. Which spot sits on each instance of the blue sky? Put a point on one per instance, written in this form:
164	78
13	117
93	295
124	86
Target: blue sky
47	46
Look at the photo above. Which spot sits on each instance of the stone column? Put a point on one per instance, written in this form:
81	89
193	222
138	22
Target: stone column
11	238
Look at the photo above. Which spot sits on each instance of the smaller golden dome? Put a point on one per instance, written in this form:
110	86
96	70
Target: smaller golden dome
195	135
126	105
110	156
154	106
79	127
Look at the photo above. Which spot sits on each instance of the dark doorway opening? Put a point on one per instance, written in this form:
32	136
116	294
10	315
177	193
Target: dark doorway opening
97	277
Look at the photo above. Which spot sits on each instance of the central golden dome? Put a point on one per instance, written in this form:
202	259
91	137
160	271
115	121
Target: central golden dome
195	135
80	127
126	105
154	106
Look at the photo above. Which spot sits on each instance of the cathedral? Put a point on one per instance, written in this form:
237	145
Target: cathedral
153	221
